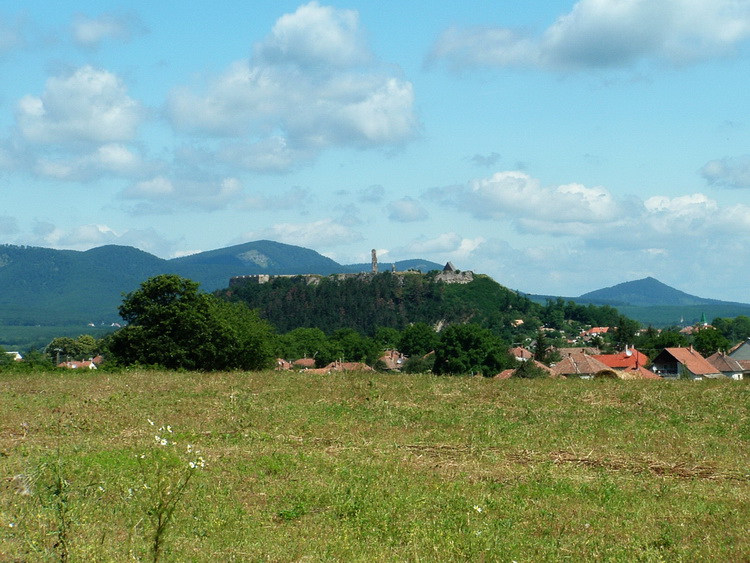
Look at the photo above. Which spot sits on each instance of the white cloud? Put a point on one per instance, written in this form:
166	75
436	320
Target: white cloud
84	237
318	234
518	196
88	105
406	210
311	85
731	172
162	194
109	159
607	34
271	154
90	32
315	36
445	246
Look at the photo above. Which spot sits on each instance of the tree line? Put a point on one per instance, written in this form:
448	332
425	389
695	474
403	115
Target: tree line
172	324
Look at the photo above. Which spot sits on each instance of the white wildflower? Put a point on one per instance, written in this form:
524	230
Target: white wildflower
478	508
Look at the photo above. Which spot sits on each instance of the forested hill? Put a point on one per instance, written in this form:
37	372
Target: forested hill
366	302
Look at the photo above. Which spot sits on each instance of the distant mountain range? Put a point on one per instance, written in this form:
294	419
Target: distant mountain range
41	286
652	302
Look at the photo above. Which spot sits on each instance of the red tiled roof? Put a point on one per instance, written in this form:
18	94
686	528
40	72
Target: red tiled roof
623	360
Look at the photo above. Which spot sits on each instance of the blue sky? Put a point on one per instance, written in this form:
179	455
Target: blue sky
559	147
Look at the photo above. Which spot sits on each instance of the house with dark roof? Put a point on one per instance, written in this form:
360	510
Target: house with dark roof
684	362
741	351
728	366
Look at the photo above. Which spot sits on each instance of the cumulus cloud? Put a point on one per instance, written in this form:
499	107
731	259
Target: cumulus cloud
731	172
518	196
114	159
86	105
312	84
90	32
316	36
606	34
406	210
450	245
593	218
317	234
162	194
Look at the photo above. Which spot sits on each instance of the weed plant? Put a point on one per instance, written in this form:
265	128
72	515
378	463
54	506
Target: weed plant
366	467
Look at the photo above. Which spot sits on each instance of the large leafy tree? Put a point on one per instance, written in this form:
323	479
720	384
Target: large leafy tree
417	339
173	324
708	341
471	349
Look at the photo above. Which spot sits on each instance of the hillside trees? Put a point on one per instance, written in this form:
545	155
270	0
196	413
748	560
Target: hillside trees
173	324
471	349
63	348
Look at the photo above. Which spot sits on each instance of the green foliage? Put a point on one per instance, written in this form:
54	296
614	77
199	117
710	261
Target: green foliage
171	323
419	364
529	370
734	330
651	341
417	340
707	341
366	303
350	346
64	348
470	349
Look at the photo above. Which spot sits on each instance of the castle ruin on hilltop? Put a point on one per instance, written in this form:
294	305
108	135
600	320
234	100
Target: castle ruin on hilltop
449	274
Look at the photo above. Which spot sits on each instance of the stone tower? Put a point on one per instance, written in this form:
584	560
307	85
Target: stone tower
374	262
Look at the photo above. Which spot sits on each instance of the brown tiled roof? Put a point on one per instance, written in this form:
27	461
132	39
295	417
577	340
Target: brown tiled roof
579	364
692	360
521	353
725	363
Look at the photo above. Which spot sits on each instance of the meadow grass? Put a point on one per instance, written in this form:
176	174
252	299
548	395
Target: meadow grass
370	467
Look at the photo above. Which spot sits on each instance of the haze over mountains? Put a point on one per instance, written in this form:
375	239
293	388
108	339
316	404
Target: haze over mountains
41	286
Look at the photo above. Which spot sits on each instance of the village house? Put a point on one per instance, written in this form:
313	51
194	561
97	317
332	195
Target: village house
728	366
684	362
741	353
630	358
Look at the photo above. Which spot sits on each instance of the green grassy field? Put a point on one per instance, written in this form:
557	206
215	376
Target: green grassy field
368	467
